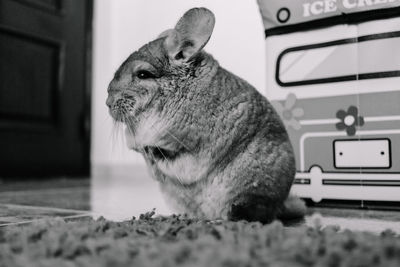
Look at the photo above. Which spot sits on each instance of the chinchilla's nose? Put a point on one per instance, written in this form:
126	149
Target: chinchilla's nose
109	101
112	90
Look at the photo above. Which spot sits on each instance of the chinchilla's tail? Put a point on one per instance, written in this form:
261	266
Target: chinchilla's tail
293	208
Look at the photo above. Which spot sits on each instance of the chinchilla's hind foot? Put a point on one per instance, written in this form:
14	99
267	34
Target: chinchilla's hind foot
252	207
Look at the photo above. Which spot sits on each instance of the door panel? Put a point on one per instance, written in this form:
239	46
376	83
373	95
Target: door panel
43	87
34	92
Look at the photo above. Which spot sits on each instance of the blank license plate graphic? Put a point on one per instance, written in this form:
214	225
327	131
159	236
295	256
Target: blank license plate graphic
362	153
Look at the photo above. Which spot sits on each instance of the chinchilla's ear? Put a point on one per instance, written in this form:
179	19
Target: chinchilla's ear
165	33
190	35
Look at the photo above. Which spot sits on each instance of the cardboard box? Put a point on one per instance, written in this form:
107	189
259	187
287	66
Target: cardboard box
333	75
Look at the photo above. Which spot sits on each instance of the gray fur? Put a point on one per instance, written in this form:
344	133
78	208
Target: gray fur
215	145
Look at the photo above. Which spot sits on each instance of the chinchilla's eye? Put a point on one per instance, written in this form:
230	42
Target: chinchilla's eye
144	74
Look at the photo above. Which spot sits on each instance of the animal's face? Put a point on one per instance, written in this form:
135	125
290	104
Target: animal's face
157	76
141	83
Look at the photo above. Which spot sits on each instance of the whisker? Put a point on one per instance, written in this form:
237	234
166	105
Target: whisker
177	139
162	153
116	134
180	180
130	122
105	119
174	137
118	122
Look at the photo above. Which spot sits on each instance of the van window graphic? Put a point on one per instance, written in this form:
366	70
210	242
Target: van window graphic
341	60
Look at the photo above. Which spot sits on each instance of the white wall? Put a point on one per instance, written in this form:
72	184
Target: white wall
122	26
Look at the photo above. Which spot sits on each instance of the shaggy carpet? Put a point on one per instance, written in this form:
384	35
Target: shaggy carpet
180	241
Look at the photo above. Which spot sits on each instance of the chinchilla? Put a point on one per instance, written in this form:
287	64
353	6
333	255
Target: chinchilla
215	145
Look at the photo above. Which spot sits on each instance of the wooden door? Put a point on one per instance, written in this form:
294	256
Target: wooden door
44	87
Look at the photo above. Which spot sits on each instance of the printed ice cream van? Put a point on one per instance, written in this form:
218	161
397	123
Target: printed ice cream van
334	78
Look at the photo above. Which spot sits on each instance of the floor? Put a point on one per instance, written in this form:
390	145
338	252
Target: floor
121	192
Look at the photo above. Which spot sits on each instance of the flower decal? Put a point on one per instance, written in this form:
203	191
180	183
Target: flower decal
288	112
349	120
